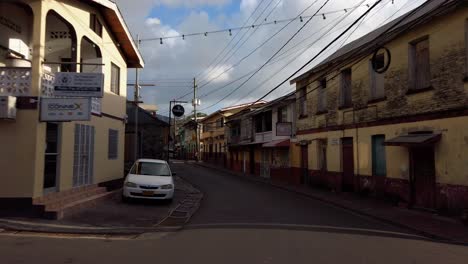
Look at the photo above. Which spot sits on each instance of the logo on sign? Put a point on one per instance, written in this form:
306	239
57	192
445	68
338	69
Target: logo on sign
178	110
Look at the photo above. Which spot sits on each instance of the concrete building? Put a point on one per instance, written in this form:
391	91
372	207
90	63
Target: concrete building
398	132
54	160
153	134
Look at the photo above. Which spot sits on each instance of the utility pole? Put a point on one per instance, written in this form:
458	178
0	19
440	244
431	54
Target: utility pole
197	150
136	99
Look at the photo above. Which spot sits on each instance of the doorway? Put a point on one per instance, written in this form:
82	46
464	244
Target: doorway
423	175
304	164
252	160
83	158
265	165
347	157
51	159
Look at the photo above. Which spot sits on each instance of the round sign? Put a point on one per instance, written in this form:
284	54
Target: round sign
178	110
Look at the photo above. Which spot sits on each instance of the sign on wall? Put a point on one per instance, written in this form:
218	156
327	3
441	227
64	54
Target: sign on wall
284	129
65	109
79	84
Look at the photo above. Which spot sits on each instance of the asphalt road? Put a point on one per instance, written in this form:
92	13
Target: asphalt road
240	221
232	201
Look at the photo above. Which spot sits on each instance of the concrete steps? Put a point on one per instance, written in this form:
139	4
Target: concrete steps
61	204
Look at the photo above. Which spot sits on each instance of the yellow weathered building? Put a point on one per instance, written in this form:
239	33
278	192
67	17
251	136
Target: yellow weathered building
37	40
402	133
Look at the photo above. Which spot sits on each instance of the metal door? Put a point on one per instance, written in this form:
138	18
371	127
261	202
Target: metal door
348	164
83	158
423	175
51	159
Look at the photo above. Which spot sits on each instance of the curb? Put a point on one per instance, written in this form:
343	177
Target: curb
171	223
432	236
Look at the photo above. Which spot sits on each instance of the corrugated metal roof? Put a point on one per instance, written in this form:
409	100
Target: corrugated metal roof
421	11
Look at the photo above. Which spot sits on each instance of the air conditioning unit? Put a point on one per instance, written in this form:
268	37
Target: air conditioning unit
7	107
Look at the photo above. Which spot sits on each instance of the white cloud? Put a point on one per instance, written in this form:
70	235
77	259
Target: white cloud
178	58
152	21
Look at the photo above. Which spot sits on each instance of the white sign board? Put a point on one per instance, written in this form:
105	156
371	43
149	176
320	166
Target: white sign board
65	109
79	84
284	129
334	142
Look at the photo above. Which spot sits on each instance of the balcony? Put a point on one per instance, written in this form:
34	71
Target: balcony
263	137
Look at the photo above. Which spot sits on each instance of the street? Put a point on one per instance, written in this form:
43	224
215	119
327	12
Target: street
240	221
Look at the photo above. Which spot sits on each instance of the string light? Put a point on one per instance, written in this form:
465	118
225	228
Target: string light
301	19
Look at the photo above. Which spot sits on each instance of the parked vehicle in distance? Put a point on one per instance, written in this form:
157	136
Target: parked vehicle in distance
149	179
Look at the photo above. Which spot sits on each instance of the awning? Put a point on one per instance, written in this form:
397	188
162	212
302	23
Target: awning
277	144
413	140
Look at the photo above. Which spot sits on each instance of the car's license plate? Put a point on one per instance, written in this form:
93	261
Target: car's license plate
147	193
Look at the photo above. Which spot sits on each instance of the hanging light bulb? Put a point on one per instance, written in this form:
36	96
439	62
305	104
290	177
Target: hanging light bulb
346	11
253	26
275	21
300	18
323	15
230	33
206	34
367	5
160	41
183	37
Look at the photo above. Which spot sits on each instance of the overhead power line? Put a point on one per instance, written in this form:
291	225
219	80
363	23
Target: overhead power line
279	50
230	30
230	41
231	54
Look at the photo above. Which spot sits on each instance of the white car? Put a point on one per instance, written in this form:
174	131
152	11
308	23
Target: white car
149	179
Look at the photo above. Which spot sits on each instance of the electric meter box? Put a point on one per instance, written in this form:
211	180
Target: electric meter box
7	107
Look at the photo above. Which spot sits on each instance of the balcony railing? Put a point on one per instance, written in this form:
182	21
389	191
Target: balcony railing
15	81
263	137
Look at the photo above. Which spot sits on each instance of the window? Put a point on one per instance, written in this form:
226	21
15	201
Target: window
379	166
150	169
302	102
377	79
95	24
282	114
112	151
419	75
263	122
322	96
220	122
345	92
115	79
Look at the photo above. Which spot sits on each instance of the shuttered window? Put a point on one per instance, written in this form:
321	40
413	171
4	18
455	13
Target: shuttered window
379	163
419	64
303	101
112	152
345	93
115	79
377	79
322	96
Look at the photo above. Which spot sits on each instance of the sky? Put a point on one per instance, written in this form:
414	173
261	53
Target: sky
217	60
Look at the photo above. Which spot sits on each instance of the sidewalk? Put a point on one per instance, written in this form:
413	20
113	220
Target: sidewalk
429	225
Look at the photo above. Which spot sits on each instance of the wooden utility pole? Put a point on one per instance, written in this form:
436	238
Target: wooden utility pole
195	102
136	98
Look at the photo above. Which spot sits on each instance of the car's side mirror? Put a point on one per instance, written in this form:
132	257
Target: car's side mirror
174	173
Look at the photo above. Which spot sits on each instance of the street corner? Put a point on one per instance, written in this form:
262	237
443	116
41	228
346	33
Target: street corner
115	217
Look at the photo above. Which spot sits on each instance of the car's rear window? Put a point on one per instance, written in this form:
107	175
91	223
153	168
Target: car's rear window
150	169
